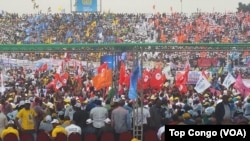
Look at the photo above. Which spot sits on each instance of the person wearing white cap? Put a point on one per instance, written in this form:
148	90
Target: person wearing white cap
89	129
106	129
45	124
57	128
27	116
10	129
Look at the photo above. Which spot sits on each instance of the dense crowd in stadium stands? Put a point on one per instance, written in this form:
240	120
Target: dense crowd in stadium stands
110	28
78	106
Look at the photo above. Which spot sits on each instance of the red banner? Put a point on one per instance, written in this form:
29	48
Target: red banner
207	62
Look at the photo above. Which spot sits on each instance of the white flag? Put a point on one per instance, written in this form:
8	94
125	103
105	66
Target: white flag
228	80
202	84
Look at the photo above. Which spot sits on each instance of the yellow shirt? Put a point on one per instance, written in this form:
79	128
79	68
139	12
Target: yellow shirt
66	122
27	117
9	130
58	129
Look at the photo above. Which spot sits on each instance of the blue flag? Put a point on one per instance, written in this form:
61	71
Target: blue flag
136	74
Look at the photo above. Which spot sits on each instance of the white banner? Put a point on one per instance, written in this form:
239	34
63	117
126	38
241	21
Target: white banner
202	84
193	76
246	82
229	80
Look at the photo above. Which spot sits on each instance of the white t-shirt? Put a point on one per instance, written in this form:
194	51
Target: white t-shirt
72	128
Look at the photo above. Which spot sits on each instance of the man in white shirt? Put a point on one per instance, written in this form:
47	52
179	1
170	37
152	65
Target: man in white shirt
98	114
72	128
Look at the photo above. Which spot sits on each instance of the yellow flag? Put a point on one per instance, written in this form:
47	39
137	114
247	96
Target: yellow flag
220	70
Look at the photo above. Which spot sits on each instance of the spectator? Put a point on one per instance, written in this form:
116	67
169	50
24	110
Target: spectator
10	128
80	116
222	111
73	128
120	119
187	119
27	116
6	106
46	125
39	110
106	128
89	129
57	128
66	121
246	108
70	110
156	115
98	114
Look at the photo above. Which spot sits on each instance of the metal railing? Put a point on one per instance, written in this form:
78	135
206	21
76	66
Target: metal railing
96	47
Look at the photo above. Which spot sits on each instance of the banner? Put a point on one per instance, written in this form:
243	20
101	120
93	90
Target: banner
193	76
207	62
111	60
228	80
202	84
246	82
86	6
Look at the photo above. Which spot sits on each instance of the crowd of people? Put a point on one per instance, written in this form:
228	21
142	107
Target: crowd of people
119	28
29	105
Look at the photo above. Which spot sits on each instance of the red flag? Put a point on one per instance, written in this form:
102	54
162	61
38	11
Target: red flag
144	82
181	80
50	85
122	73
79	81
102	67
64	78
157	79
127	80
57	76
58	84
120	89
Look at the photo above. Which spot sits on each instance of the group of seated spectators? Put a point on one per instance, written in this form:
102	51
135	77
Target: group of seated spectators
119	28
